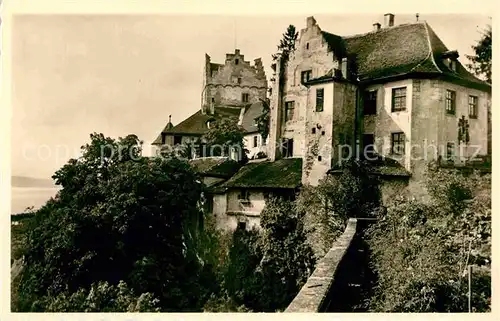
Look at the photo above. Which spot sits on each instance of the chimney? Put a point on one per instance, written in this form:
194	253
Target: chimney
388	20
311	21
376	26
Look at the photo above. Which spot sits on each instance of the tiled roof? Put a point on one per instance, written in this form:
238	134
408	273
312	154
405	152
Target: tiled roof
283	173
196	124
248	122
215	166
382	166
396	51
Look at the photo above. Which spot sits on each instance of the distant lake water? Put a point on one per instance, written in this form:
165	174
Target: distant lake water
23	197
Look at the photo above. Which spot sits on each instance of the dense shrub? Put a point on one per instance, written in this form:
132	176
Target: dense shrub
421	250
118	217
102	297
264	270
327	206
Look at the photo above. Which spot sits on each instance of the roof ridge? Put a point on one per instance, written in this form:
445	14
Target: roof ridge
383	29
431	51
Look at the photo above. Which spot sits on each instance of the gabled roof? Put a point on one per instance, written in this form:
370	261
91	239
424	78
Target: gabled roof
196	124
283	173
381	166
397	51
248	122
215	166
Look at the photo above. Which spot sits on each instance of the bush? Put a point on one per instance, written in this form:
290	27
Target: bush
327	207
421	250
117	217
103	297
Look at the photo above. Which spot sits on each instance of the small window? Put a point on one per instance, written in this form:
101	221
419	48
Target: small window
213	100
370	103
314	130
289	109
307	45
319	158
306	76
244	195
163	138
398	143
450	151
255	141
323	133
236	61
472	107
177	140
242	226
239	80
399	99
450	102
244	97
319	99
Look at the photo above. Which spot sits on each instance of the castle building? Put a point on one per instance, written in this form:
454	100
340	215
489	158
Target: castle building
396	91
234	89
395	96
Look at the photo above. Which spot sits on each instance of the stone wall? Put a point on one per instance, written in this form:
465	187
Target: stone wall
224	84
334	285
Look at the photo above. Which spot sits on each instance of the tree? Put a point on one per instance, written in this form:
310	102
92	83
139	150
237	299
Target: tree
287	259
350	193
224	136
481	60
118	217
421	250
287	44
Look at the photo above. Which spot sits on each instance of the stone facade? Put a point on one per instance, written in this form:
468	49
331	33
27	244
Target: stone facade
424	125
315	132
230	209
234	83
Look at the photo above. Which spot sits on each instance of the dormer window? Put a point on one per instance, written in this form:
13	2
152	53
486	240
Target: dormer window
450	59
453	65
236	61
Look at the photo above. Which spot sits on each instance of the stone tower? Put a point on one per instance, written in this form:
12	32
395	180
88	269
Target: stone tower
235	83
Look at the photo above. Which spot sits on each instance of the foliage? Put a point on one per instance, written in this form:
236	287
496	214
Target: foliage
327	206
240	281
287	44
287	259
264	270
103	297
260	155
224	135
421	250
481	60
263	119
118	216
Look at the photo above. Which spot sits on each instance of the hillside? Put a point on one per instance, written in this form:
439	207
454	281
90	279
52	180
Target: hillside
24	181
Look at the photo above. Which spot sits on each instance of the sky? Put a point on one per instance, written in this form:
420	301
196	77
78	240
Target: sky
119	74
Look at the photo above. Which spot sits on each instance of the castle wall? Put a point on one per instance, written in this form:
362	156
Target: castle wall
225	84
